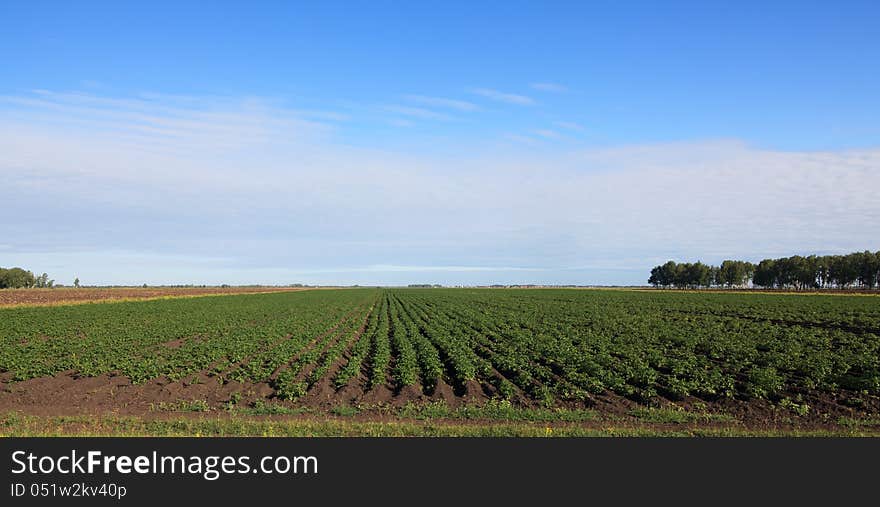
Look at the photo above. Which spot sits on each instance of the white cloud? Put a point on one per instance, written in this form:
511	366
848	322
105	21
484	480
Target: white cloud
189	123
549	87
274	195
521	139
509	98
459	105
417	112
400	122
323	115
546	133
570	125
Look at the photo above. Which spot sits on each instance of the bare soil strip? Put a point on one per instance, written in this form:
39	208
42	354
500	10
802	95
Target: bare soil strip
66	394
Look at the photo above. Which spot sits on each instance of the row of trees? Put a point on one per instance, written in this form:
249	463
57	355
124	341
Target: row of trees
18	278
855	270
693	275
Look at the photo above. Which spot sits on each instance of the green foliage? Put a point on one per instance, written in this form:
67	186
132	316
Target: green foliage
406	367
800	409
859	269
555	345
867	422
764	382
345	411
499	410
381	348
547	348
16	425
234	338
16	278
359	351
678	415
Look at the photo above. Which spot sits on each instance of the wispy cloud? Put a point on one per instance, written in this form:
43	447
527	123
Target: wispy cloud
330	116
400	122
417	112
509	98
176	179
459	105
547	133
549	87
521	139
570	125
162	122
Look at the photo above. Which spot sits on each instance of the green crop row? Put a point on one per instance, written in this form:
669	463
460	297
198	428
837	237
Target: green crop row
549	345
569	343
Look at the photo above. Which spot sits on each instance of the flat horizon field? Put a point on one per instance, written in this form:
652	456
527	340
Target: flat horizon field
411	361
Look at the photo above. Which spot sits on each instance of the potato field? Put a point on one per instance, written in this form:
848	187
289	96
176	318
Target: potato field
551	356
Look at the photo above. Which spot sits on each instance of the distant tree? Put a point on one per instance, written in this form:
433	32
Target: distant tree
733	273
664	275
867	265
843	271
699	275
765	274
807	272
727	274
76	282
877	268
713	276
822	271
656	277
748	271
786	271
43	282
668	273
16	278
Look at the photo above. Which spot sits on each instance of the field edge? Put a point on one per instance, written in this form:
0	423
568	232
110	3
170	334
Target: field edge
17	425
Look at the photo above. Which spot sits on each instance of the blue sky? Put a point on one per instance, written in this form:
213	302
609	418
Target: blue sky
472	142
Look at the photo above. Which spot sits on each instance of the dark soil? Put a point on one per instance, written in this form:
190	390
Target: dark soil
67	394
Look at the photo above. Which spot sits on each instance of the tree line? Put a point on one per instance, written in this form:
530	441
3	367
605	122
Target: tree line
855	270
18	278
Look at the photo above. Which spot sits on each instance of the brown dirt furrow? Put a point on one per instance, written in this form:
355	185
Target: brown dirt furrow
66	394
355	391
445	393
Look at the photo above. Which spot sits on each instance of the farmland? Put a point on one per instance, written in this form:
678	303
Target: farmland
71	295
446	361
